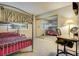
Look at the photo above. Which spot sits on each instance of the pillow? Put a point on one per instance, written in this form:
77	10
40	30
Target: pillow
8	34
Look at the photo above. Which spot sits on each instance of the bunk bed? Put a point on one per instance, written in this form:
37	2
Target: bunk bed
13	41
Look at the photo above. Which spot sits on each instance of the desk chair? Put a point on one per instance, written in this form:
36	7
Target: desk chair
65	43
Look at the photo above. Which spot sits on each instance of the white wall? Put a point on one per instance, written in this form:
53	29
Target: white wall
63	14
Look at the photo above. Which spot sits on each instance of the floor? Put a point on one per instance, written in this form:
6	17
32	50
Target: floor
43	46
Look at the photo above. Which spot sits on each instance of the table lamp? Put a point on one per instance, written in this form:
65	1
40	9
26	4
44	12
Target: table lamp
69	23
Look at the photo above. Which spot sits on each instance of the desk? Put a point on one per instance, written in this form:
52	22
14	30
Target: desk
75	40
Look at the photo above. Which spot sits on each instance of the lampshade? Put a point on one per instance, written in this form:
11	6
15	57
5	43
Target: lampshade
68	22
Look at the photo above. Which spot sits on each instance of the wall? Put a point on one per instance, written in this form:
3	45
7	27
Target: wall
38	30
64	14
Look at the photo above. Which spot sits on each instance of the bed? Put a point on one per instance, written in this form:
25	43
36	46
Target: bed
51	33
11	42
15	32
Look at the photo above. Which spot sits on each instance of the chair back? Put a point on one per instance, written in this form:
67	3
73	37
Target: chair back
58	32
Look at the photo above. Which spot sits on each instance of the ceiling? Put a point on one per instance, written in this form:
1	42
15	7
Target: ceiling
37	8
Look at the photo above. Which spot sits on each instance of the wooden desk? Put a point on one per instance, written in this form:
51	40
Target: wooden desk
75	40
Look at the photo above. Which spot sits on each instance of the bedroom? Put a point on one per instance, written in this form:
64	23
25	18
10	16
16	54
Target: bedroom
35	21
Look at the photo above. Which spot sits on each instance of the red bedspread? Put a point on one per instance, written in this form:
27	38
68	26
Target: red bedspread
51	33
13	42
